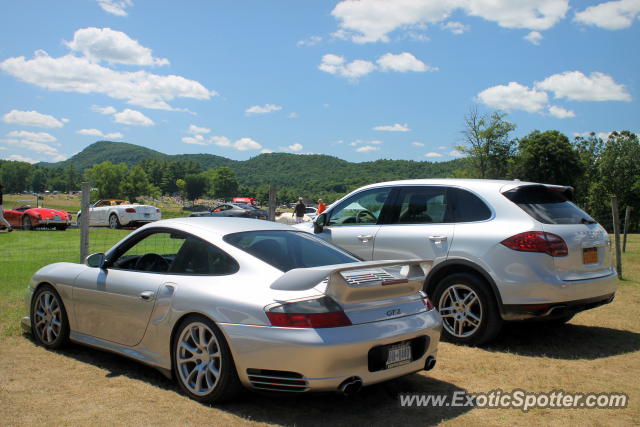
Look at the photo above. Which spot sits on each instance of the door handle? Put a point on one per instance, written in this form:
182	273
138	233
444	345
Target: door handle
438	239
147	295
364	238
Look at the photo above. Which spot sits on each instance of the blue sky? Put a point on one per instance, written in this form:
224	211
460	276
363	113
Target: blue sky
360	80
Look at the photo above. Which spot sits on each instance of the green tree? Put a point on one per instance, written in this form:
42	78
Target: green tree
108	178
223	183
547	157
588	149
39	180
136	184
195	185
487	143
15	176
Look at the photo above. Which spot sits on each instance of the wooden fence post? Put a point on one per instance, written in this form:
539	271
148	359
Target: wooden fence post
84	222
616	231
627	218
272	202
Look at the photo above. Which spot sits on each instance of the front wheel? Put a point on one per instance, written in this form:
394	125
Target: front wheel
114	222
49	322
26	223
202	361
468	308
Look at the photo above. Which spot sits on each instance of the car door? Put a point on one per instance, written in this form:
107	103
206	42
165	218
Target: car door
419	225
354	223
116	302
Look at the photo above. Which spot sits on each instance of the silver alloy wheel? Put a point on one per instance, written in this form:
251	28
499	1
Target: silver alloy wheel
113	221
48	317
198	359
461	311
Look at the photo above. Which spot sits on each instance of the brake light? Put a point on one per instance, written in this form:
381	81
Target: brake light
538	241
157	210
309	320
427	303
130	210
321	312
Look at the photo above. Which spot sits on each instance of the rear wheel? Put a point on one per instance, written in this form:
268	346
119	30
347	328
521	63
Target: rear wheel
49	322
202	361
114	222
468	308
26	223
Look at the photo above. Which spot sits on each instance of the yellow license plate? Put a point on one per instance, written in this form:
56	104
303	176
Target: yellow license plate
590	255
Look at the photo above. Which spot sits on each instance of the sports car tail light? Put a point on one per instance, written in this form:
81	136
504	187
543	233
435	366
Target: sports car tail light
157	210
130	210
311	313
537	241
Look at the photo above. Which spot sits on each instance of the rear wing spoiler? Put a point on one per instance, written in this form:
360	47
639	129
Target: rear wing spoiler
361	281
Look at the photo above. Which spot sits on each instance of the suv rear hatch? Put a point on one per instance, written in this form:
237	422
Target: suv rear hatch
588	244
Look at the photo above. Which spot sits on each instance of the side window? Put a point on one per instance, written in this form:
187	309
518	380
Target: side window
422	205
362	208
198	257
468	207
154	253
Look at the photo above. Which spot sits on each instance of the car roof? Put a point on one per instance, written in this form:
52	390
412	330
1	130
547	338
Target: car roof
473	184
218	225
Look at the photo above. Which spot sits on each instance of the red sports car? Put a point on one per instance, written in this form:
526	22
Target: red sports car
29	218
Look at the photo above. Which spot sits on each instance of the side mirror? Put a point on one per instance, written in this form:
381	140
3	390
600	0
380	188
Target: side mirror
319	223
94	260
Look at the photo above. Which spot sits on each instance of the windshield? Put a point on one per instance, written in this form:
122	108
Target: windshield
286	250
547	205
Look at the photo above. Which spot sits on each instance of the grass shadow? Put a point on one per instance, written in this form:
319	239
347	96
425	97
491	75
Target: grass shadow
568	341
379	404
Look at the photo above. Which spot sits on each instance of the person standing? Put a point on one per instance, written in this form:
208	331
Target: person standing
321	206
298	210
2	219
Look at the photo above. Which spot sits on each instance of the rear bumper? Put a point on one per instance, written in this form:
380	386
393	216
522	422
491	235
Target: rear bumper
553	310
321	359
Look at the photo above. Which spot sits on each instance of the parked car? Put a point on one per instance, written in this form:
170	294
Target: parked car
116	213
224	302
234	209
246	200
502	250
29	218
289	217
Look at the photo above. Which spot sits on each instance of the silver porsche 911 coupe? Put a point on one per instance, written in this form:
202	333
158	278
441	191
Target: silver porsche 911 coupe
221	303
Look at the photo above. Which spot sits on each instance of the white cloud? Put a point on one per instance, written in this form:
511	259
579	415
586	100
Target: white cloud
367	148
442	147
103	110
115	7
455	27
221	141
393	128
455	153
266	151
19	158
402	62
99	133
31	118
602	135
132	117
534	37
311	41
75	74
32	136
334	64
262	109
292	115
576	86
372	20
513	96
294	148
197	140
105	44
417	144
560	112
244	144
196	129
611	15
433	154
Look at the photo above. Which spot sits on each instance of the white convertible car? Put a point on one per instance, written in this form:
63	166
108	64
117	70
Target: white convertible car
116	213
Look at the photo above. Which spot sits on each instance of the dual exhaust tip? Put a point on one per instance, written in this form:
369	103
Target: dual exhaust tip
352	385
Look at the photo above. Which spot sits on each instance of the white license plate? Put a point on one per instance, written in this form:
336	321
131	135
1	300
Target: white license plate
56	217
399	354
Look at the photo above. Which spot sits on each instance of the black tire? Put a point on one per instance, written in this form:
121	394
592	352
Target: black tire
227	385
61	227
475	318
114	222
49	321
26	223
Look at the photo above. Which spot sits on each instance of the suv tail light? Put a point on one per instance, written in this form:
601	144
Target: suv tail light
537	241
312	313
130	210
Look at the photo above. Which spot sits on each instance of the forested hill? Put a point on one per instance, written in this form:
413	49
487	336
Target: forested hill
282	169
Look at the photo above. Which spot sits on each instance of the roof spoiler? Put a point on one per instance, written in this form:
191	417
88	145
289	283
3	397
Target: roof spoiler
403	277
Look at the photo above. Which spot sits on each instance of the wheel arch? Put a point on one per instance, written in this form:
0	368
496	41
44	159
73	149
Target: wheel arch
445	268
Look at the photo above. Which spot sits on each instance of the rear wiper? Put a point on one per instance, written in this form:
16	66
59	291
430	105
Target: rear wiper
587	221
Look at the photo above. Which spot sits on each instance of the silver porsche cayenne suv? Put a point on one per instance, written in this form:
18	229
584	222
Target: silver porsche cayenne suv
502	250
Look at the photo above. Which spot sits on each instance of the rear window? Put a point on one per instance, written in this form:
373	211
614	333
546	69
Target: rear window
547	205
286	250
